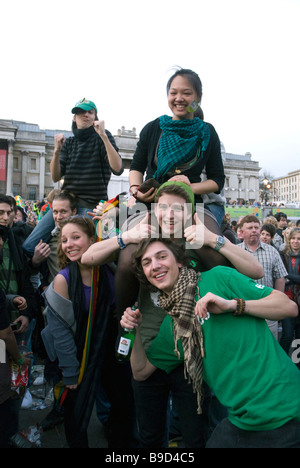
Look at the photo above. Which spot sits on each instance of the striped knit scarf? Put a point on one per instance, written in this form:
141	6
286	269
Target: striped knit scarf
180	306
179	143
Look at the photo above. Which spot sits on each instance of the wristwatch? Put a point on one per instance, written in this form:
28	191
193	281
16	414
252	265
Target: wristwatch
220	243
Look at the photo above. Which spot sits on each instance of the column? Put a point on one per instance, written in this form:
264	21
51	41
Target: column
246	187
42	176
24	187
10	167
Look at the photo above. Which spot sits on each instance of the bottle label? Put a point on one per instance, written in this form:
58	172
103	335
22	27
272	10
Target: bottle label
124	346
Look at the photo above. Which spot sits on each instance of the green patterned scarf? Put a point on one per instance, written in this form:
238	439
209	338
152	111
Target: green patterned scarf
179	143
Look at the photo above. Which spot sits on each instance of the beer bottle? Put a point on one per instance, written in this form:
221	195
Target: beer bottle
125	343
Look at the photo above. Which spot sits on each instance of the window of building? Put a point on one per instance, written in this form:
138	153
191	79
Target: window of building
16	163
16	190
33	164
32	193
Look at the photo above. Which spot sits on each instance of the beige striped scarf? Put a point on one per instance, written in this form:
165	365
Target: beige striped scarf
180	305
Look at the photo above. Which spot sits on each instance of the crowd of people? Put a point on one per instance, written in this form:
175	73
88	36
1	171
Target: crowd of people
210	362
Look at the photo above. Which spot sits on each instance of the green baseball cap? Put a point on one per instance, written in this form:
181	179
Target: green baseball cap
85	105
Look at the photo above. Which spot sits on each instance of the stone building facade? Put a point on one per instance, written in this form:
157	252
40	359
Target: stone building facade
287	189
241	178
26	152
25	155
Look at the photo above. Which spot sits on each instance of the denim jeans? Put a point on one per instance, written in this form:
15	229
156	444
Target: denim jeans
226	435
84	211
217	210
152	403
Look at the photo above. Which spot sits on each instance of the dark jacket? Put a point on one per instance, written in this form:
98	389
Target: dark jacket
23	273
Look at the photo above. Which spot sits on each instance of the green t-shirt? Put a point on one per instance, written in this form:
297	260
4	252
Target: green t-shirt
244	365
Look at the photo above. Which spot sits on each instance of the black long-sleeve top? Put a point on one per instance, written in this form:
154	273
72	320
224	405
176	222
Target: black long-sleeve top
145	157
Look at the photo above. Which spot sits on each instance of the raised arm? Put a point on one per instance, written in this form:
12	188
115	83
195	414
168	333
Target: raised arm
100	252
59	140
276	306
198	235
113	156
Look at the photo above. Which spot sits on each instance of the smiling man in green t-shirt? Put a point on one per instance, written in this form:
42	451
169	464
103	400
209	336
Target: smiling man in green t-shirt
242	363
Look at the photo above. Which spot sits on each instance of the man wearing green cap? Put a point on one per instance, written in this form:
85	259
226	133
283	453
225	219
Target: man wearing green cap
87	159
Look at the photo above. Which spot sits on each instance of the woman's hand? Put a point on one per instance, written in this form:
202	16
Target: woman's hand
181	178
146	197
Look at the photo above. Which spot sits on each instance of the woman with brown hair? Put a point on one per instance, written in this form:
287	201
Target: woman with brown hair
80	335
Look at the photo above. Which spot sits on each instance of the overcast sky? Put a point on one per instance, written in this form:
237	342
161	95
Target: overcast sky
119	54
